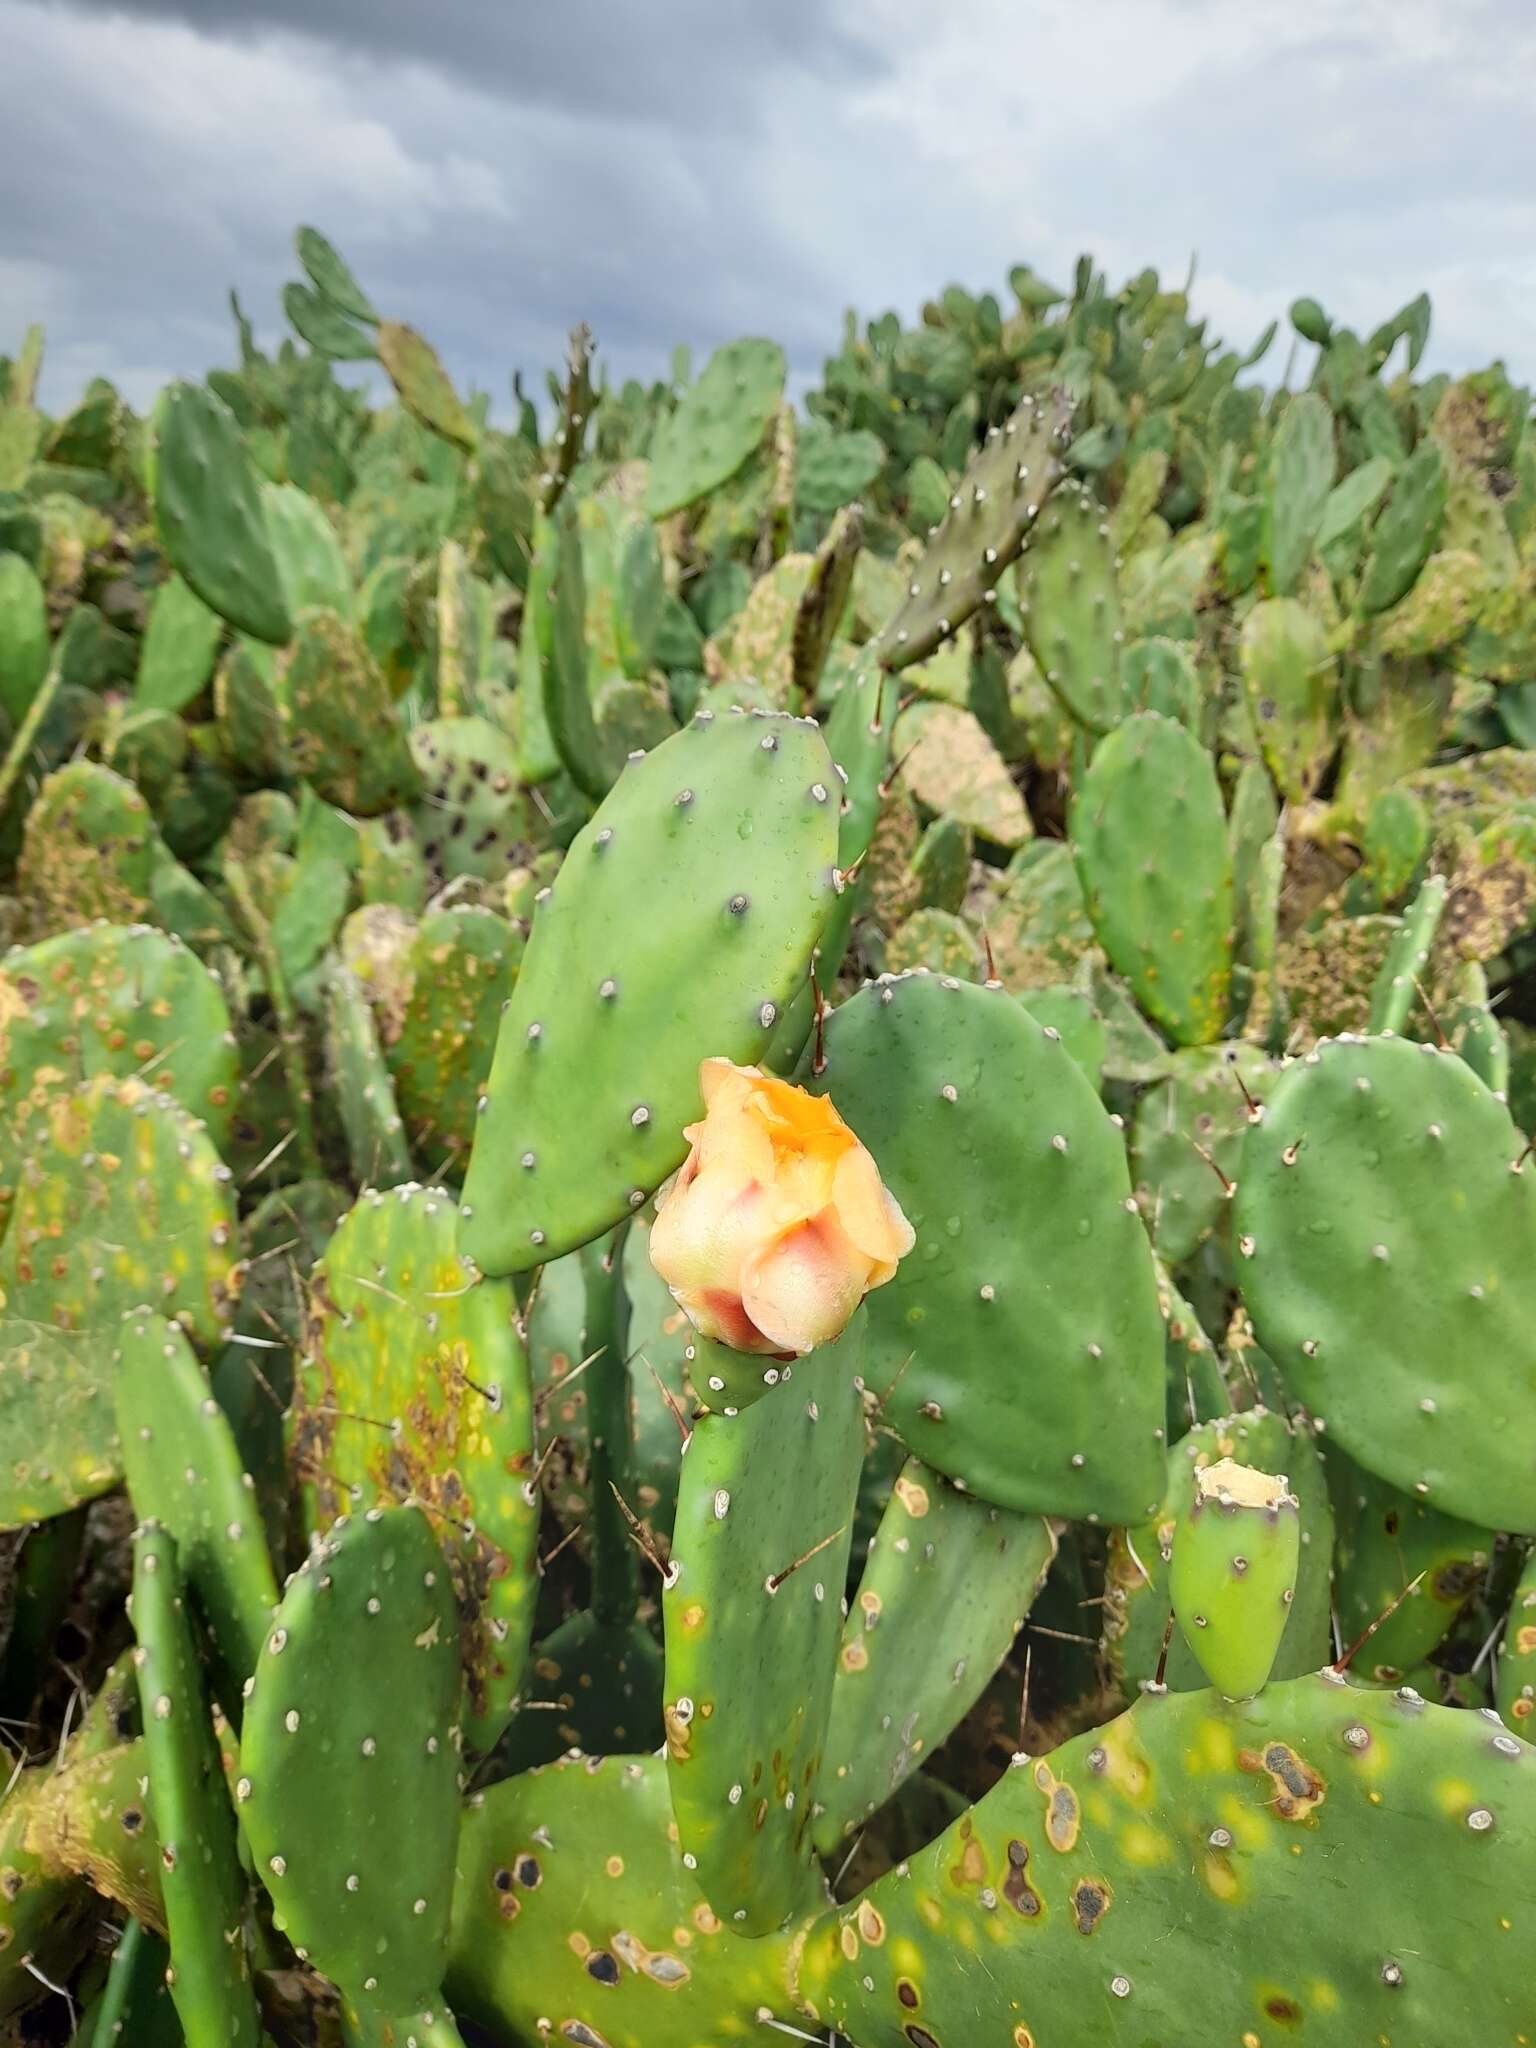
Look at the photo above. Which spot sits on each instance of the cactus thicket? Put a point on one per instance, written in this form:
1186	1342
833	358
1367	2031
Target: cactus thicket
1010	876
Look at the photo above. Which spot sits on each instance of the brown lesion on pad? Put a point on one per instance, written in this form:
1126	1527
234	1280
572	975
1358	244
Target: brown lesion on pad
1017	1889
1092	1898
1298	1788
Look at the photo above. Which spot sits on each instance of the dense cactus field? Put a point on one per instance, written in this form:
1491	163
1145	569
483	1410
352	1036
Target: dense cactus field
767	1250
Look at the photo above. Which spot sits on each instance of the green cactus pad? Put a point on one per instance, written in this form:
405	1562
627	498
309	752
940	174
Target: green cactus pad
1517	1655
1194	1117
1400	1317
473	818
121	1200
377	1146
592	1685
180	642
201	1887
89	850
1162	909
991	511
343	732
44	1915
1291	692
580	1865
1407	530
1217	1859
719	423
184	1473
753	1610
463	965
423	385
414	1384
1019	1349
945	1590
136	2000
1303	462
825	599
1159	675
330	1772
1137	1604
23	636
620	996
1236	1551
1071	606
209	513
1385	1541
92	1819
1395	993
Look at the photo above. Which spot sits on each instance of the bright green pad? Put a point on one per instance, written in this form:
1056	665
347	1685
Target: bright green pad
718	423
1136	1604
209	513
463	964
184	1473
377	1146
1302	465
1385	1540
23	635
1070	1012
343	732
623	992
1516	1681
1236	1551
1161	902
111	999
328	331
1200	1107
993	507
473	818
415	1385
1227	1862
945	1590
201	1885
412	365
563	676
1071	606
1019	1348
1389	1269
348	1785
121	1200
1292	692
578	1866
177	654
594	1686
89	850
750	1651
309	554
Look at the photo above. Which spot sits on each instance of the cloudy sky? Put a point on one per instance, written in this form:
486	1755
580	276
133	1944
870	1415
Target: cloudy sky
686	170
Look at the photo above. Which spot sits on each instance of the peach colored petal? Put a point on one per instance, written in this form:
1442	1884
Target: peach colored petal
705	1230
870	1213
801	1290
722	1079
716	1313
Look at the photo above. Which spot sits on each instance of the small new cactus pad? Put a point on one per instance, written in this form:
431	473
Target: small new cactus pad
1397	989
1071	606
343	732
946	1587
1516	1681
1236	1550
111	999
753	1610
1164	915
994	505
121	1200
348	1789
1291	691
563	674
201	1886
414	1384
1137	1602
1401	1317
622	993
184	1472
209	513
1237	1848
1399	1563
1186	1137
463	964
579	1865
377	1146
1019	1348
718	423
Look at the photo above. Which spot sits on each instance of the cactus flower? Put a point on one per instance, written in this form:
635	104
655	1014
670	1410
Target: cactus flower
777	1224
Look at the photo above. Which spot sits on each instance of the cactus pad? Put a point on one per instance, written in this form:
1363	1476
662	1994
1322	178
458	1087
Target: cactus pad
209	512
717	425
463	963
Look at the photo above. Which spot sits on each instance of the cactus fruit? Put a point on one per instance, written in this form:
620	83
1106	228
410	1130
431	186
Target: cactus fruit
595	989
1165	921
977	1115
1397	1317
201	1886
1236	1547
323	1766
414	1385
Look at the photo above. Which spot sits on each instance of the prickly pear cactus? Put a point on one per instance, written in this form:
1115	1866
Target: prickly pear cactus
463	967
1236	1546
90	850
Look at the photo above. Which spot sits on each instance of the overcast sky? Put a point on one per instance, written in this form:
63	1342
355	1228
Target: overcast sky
687	170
